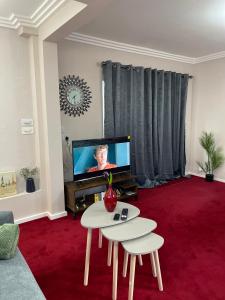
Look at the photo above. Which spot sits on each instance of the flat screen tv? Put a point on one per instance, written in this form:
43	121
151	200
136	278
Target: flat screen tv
91	158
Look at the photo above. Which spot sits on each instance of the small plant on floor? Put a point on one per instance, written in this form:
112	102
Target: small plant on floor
215	157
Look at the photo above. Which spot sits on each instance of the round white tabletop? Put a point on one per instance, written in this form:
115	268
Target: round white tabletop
130	230
96	216
145	245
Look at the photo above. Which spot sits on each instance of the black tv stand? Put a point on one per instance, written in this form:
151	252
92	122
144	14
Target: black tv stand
123	183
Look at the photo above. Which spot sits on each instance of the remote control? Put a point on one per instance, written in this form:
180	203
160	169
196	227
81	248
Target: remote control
116	217
124	214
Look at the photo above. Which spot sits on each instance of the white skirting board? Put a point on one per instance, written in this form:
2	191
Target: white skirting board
42	215
57	215
203	176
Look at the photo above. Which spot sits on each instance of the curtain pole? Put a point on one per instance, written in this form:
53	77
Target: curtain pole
104	62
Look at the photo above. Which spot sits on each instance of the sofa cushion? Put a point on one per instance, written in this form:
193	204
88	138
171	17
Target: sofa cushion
9	235
17	281
6	217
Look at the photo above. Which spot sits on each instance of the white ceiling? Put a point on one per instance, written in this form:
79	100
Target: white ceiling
18	7
192	28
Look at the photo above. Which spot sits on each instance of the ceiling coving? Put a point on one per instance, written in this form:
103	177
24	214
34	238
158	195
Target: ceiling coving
32	13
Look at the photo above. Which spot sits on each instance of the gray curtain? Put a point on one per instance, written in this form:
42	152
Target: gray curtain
149	105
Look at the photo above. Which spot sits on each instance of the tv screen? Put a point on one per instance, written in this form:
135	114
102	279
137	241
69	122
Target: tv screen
92	157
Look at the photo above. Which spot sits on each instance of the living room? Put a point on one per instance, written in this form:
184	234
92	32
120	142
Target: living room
60	38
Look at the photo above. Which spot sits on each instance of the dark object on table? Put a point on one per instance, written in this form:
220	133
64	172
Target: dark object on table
124	214
116	217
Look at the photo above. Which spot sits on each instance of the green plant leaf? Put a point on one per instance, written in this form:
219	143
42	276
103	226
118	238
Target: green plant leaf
203	166
207	141
26	172
110	178
217	159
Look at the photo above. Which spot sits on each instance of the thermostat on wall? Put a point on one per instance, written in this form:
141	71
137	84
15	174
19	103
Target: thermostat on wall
27	130
27	122
27	126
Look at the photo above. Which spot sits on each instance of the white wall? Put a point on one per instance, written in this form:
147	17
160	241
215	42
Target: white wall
208	110
16	102
16	150
52	127
29	89
84	60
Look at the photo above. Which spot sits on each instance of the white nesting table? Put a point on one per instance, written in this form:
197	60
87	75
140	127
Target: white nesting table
148	244
131	230
96	216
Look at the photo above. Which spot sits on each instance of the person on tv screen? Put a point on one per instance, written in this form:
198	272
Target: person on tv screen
101	153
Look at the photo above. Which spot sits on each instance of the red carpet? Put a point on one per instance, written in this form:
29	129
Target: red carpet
191	217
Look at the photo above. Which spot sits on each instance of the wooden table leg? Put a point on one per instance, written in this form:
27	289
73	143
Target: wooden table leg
109	258
87	257
125	261
158	271
153	264
100	239
115	270
132	274
140	260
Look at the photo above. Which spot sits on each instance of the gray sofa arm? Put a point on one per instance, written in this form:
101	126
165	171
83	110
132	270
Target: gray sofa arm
6	217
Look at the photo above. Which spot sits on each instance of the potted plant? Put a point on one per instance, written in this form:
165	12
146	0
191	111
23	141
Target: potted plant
28	174
215	157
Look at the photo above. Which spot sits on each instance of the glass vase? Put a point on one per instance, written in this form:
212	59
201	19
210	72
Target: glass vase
110	199
30	186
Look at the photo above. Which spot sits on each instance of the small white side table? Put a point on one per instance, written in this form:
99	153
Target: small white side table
133	229
148	244
96	216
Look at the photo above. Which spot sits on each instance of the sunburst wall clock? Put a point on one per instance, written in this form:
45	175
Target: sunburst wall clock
75	95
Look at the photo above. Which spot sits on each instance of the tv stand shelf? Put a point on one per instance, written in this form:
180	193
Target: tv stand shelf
122	182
